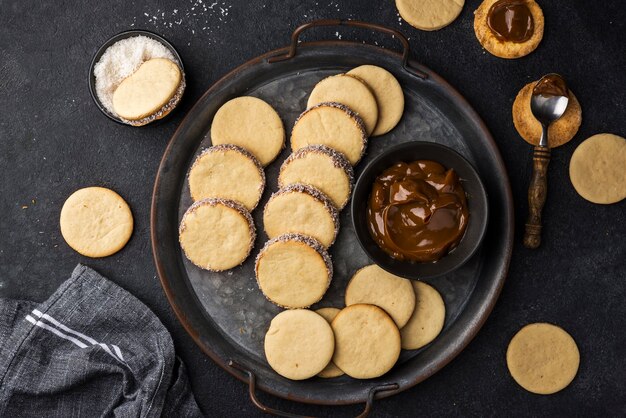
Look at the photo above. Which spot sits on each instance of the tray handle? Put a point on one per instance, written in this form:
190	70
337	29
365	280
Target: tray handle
252	390
354	23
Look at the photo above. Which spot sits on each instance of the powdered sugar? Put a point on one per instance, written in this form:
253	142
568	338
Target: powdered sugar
122	59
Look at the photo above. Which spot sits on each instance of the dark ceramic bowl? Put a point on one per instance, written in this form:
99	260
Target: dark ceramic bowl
102	50
476	200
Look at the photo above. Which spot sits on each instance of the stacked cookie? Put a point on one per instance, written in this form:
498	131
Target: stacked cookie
315	181
226	182
383	314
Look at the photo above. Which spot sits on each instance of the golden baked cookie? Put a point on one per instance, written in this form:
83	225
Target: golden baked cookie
293	271
348	91
334	125
375	286
529	128
502	48
299	344
229	172
147	90
598	169
301	209
252	124
429	14
427	319
543	358
331	370
388	93
321	167
367	341
217	234
96	222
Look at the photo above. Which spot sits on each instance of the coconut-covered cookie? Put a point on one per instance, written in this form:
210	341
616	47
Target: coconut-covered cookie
321	167
149	93
252	124
334	125
301	209
349	91
217	234
229	172
293	271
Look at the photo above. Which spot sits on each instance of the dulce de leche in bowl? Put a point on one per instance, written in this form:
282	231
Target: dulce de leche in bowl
419	210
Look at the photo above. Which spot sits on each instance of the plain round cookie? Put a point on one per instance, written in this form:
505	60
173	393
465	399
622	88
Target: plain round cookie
598	169
427	319
147	90
388	93
373	285
252	124
293	271
96	222
217	234
321	167
367	341
334	125
301	209
542	358
350	92
560	131
429	14
331	370
229	172
504	49
299	344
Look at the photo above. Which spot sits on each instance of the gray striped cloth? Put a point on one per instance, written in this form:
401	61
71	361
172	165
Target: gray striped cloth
92	349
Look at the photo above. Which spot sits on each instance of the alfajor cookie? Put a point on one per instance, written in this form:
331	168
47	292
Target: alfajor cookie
598	169
293	271
429	14
367	341
301	209
331	370
217	234
334	125
229	172
388	93
427	319
375	286
493	27
542	358
299	344
321	167
351	92
252	124
96	222
154	89
529	128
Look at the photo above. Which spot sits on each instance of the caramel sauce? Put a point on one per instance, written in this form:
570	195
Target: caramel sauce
551	85
511	21
417	211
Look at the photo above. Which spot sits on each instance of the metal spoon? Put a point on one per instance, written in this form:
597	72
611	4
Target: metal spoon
548	103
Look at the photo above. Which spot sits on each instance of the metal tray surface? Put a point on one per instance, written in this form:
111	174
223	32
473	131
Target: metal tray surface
226	313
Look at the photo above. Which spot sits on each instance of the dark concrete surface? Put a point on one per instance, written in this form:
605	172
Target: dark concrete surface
53	140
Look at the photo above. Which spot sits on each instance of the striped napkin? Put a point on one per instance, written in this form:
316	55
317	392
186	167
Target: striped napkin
92	349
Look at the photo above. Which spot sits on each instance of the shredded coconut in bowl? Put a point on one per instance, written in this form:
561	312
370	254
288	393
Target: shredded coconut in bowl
122	59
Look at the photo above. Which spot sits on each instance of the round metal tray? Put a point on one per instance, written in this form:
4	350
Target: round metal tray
226	314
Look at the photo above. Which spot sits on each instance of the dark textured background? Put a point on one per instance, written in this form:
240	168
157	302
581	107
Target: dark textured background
53	140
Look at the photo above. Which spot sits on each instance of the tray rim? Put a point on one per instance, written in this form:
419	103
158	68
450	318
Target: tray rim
476	325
